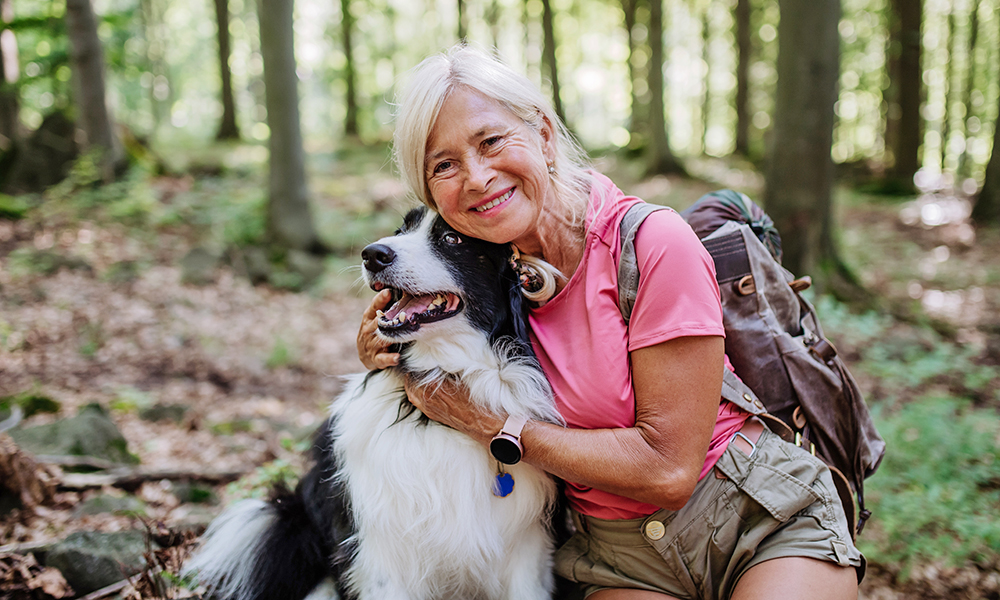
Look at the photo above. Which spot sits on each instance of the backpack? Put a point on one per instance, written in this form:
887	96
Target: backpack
774	341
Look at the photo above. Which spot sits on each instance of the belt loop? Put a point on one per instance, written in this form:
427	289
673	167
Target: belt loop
753	446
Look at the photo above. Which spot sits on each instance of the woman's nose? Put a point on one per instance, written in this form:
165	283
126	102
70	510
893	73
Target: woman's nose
479	174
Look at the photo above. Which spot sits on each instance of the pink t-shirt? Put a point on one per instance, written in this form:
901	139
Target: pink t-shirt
583	343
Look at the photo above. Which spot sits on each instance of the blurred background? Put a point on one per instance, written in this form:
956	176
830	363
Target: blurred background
185	187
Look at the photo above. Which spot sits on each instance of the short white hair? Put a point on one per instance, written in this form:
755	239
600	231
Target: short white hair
434	79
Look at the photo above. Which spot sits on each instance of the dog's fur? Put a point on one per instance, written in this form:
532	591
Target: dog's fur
398	506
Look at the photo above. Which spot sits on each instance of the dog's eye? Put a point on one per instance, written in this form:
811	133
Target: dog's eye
451	238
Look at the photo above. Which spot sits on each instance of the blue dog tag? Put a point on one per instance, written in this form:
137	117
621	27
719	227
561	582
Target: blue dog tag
503	486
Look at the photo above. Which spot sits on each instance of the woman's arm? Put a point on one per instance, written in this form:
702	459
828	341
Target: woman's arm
677	387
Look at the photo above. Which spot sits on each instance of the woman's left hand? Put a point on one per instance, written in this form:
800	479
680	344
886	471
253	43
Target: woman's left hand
448	403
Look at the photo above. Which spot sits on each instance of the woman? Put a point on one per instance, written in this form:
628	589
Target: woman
675	493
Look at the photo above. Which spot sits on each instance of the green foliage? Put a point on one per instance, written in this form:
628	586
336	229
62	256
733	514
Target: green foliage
282	355
936	494
259	483
31	402
131	400
12	207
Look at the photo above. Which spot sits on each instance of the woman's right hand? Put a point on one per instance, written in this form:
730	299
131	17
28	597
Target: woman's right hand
372	348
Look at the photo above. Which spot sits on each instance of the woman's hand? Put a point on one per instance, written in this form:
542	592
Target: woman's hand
372	348
448	403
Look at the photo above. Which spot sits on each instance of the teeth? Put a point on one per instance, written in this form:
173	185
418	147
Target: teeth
496	202
379	314
402	316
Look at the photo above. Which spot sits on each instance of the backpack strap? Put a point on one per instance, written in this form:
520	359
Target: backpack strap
733	389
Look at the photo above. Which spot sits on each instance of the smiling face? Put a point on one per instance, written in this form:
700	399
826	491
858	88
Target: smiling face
487	170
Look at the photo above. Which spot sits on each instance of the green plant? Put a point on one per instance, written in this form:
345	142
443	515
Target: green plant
281	355
265	477
935	496
129	399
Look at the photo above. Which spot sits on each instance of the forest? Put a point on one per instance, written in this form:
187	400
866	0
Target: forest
186	186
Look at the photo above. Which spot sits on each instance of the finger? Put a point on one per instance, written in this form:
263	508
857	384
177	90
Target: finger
384	360
379	302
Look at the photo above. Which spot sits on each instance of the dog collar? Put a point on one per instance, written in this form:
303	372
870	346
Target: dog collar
506	446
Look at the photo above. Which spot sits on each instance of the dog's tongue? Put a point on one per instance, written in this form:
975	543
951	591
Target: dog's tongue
411	304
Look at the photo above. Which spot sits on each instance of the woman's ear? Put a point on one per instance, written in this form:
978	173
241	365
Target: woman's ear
548	133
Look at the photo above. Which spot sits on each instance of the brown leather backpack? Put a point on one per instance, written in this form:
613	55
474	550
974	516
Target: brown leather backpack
774	340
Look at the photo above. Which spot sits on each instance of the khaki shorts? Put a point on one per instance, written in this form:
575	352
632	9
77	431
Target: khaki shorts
780	502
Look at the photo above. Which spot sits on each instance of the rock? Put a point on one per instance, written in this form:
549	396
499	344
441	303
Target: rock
104	504
90	433
44	159
164	412
90	560
198	266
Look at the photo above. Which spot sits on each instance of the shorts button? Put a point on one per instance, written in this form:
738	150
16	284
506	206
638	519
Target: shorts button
655	530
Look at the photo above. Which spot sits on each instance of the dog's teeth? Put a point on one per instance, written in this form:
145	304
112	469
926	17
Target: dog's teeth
379	314
402	316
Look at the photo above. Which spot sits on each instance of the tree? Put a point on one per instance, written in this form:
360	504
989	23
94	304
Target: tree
967	84
9	123
661	159
798	194
227	127
549	57
903	129
462	27
744	49
87	60
637	118
347	28
289	219
986	211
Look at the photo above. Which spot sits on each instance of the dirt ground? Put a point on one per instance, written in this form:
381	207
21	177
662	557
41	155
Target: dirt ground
255	367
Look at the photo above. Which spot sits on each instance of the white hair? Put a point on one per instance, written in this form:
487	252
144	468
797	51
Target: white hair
434	79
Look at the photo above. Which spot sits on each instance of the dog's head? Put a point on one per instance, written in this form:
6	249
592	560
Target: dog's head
438	275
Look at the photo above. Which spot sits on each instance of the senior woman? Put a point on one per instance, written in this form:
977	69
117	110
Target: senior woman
650	448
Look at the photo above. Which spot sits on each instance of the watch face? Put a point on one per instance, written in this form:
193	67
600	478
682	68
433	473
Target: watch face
505	450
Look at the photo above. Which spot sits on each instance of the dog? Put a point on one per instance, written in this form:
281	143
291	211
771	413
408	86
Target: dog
398	506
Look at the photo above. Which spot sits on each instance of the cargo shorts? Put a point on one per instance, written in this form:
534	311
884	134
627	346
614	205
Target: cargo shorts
779	502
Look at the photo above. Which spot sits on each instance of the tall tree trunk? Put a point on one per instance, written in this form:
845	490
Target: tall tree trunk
967	86
289	219
661	158
986	210
706	57
227	127
549	57
637	118
800	174
9	106
87	61
949	86
347	28
903	130
744	49
492	16
462	27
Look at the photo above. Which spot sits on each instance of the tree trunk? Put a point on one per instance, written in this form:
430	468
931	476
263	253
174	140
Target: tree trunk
949	87
744	49
800	175
661	159
706	57
903	130
986	211
549	57
9	106
347	28
289	219
492	16
967	86
227	128
87	61
462	28
637	119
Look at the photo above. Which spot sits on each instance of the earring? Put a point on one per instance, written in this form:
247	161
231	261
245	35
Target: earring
552	170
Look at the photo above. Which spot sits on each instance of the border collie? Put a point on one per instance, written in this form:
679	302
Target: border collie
398	506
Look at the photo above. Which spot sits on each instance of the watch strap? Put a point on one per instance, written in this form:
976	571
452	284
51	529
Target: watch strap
514	425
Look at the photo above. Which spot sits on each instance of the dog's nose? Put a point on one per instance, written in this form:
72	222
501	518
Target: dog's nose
377	257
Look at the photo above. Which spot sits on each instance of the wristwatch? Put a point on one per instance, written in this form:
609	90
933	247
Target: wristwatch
506	445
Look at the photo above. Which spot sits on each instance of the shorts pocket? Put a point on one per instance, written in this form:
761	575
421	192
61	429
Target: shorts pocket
781	492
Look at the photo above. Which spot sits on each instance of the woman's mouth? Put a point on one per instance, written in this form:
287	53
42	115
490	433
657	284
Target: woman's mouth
496	201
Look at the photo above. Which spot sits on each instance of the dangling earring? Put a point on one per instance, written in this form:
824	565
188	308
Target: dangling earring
552	170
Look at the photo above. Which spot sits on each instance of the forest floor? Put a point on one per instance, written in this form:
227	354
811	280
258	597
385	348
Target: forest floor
94	307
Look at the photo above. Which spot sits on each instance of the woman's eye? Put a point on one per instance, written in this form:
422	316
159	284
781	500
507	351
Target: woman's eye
451	238
491	141
442	166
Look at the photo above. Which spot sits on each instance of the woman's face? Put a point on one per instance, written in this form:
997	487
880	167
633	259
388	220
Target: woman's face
487	170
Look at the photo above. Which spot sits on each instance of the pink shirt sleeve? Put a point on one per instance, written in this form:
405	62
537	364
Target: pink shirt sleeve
678	295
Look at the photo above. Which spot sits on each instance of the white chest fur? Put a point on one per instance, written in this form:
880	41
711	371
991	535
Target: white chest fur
428	524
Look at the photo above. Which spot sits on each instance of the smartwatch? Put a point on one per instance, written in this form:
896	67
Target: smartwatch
506	445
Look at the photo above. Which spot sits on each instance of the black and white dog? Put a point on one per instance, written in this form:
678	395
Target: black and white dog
398	506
